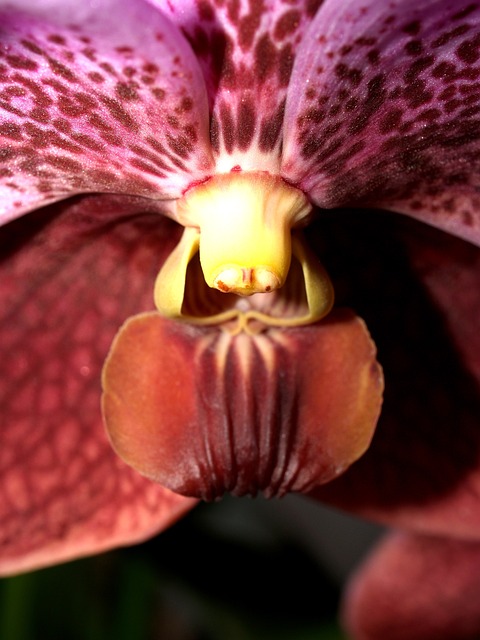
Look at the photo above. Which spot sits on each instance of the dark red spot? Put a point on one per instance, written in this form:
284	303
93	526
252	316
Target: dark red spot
60	69
245	124
265	58
55	84
106	66
69	107
448	93
270	129
90	53
468	51
11	130
351	74
119	113
146	167
158	93
365	42
445	70
414	47
20	62
233	11
373	56
62	124
221	51
88	141
391	121
87	101
40	115
145	154
99	123
465	12
129	72
215	135
150	68
205	10
228	127
285	65
429	115
446	37
31	46
185	105
126	91
179	145
287	24
124	49
412	28
312	6
65	164
249	24
418	67
57	39
173	122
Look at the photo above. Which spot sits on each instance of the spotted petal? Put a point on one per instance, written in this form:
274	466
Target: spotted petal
103	96
384	109
69	275
246	50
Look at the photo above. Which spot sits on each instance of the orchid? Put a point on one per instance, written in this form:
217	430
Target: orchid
201	157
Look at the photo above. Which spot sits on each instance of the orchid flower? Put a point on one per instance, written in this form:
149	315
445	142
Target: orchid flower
201	156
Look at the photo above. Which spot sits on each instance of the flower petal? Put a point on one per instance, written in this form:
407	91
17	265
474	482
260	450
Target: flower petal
204	412
69	275
415	587
246	50
418	289
92	102
384	110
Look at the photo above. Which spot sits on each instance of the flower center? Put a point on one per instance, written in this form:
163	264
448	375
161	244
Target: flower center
240	224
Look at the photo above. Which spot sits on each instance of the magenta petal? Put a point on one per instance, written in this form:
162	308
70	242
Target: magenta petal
383	110
246	50
90	101
416	587
72	279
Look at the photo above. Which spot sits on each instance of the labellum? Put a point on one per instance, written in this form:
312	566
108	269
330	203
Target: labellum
224	390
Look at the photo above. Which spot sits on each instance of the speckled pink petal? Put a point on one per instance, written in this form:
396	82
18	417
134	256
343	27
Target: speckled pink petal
383	109
104	97
69	275
420	295
246	49
416	588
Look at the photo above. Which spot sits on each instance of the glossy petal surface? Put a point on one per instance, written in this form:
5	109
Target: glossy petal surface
420	588
203	412
384	110
69	276
108	97
246	49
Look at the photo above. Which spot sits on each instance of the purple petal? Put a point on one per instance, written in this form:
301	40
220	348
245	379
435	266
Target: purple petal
416	587
77	270
90	101
383	110
246	50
